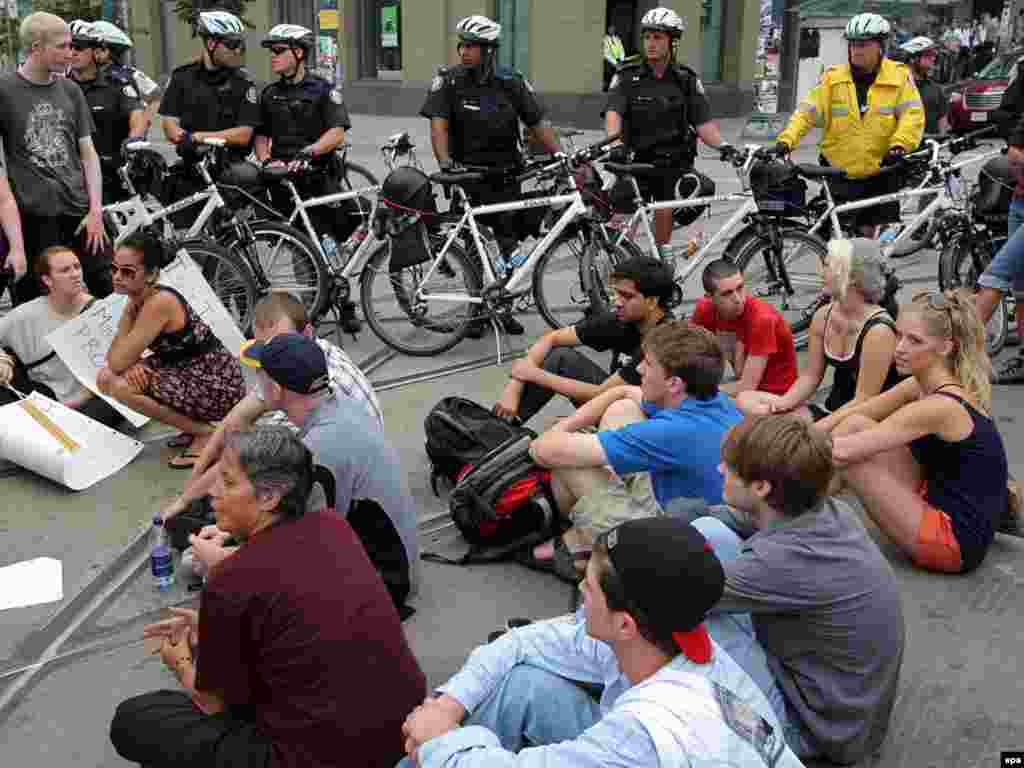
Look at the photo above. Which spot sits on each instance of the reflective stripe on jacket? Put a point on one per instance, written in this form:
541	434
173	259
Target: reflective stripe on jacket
853	141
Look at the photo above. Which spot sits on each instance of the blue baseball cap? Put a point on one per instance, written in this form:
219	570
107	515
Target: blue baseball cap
294	361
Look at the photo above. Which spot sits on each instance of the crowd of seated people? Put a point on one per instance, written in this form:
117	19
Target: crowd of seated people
735	608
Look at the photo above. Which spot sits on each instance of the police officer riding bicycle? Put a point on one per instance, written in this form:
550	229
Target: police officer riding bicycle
474	110
659	107
870	114
303	118
117	111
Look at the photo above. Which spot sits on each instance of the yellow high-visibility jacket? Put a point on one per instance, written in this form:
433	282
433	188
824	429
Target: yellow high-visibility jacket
853	141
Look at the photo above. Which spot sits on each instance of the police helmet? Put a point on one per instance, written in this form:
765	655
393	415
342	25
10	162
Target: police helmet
868	26
111	35
219	24
663	20
480	30
83	32
918	46
409	188
291	35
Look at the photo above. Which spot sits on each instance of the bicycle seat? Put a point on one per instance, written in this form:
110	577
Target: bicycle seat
568	133
811	171
459	177
274	174
630	169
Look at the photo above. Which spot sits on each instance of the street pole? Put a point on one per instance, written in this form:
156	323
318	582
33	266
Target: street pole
789	57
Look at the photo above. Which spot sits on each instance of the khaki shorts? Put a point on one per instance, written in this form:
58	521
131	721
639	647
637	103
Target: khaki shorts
621	499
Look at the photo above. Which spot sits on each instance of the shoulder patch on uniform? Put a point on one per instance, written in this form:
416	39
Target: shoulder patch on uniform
528	84
336	96
614	83
437	83
250	95
129	90
700	85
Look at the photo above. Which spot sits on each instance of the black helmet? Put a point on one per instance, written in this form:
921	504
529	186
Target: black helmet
147	170
408	187
691	184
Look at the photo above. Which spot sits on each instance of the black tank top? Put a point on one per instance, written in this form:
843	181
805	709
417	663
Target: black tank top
967	481
844	381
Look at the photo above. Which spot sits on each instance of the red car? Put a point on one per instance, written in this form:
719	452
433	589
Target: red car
971	101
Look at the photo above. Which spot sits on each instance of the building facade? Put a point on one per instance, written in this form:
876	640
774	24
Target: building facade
385	52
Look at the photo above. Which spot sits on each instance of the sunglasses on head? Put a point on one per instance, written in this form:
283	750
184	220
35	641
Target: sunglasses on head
232	44
277	50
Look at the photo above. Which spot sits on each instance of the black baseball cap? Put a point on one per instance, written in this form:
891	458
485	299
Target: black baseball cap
669	570
294	361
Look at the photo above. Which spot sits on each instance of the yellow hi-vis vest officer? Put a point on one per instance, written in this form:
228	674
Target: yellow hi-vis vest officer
860	132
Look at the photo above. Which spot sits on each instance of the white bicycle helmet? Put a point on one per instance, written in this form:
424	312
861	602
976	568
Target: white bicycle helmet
663	20
219	24
918	45
479	29
868	26
291	35
82	32
111	34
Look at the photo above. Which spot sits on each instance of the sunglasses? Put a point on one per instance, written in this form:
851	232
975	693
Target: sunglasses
231	44
81	46
128	272
277	50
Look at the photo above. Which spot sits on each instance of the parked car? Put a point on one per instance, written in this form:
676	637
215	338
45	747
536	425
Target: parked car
972	101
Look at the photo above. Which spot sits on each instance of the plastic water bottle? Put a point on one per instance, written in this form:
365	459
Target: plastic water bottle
160	562
517	258
888	236
351	246
330	249
493	250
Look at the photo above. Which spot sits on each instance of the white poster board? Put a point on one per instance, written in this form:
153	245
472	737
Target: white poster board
31	582
83	342
25	441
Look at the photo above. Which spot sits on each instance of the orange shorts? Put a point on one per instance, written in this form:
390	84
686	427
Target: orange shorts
937	548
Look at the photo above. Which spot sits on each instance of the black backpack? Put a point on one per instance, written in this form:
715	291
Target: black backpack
502	504
459	432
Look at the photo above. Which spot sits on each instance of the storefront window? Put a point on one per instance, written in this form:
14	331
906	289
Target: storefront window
711	26
327	41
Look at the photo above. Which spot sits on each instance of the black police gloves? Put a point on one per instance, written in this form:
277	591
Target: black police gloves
893	156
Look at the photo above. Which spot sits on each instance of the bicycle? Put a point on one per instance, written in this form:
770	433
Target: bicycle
766	240
434	299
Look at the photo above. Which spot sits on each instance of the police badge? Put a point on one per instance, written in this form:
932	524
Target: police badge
336	96
250	95
700	86
436	84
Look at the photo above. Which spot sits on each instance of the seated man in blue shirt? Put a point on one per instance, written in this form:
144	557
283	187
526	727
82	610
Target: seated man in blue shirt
669	695
661	441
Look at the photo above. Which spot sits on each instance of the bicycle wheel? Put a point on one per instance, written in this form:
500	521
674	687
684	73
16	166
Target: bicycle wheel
397	310
228	276
354	176
957	269
785	270
291	263
601	256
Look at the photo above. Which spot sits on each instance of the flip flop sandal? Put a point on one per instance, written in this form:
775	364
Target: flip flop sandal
561	565
184	460
184	440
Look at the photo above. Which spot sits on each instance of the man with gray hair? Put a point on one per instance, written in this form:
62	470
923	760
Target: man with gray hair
48	153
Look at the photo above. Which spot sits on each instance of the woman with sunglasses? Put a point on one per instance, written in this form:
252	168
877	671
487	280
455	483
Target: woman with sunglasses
190	379
925	457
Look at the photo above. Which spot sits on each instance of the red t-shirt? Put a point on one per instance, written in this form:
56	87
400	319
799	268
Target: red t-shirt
764	333
297	628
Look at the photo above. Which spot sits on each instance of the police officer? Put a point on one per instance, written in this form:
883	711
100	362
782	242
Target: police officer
659	108
474	111
116	107
110	52
212	97
303	117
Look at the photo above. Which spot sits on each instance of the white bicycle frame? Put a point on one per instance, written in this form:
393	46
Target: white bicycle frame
131	215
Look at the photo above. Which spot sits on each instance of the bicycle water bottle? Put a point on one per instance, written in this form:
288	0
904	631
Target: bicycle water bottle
160	562
330	249
887	237
348	249
493	250
517	258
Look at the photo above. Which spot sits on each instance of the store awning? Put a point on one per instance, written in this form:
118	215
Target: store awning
847	8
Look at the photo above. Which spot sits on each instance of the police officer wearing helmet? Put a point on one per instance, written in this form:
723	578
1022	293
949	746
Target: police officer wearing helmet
303	117
870	113
115	104
112	43
474	110
212	97
921	54
659	108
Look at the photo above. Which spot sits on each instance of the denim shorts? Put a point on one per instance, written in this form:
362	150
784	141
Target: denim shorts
1006	271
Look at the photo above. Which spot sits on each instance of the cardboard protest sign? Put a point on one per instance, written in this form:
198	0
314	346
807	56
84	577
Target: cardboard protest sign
31	582
62	444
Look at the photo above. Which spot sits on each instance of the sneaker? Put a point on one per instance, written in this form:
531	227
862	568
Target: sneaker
1010	372
1011	521
350	322
509	626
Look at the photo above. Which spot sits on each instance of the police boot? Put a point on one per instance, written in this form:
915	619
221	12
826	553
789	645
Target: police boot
347	317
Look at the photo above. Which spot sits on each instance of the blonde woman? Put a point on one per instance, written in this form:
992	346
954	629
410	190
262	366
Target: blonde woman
925	457
852	333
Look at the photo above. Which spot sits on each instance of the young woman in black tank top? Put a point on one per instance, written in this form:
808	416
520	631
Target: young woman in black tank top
925	457
851	333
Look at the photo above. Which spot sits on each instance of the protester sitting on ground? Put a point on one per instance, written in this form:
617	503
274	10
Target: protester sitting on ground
668	694
754	335
276	313
296	657
811	609
32	363
643	290
189	380
661	441
851	333
925	457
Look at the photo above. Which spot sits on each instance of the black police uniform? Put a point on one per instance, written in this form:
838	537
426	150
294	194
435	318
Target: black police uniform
659	116
112	97
483	130
935	101
293	116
